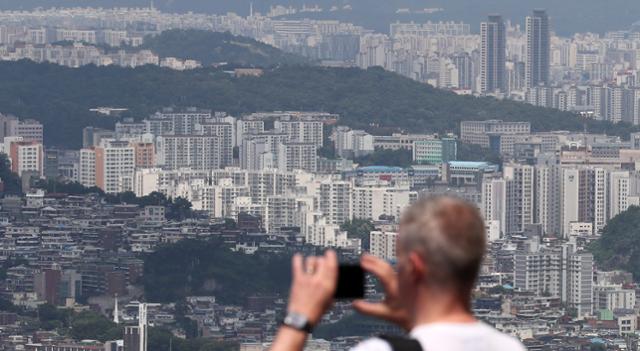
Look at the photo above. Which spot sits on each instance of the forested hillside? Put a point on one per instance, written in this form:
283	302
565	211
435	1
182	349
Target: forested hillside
61	97
214	47
619	245
192	267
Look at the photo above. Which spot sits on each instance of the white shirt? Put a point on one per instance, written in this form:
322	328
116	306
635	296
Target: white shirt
452	337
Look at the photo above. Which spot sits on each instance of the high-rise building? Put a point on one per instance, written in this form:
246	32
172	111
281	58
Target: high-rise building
383	244
176	123
540	96
27	156
87	167
494	202
301	130
352	143
520	197
493	55
260	151
225	132
200	152
115	166
281	211
245	128
145	154
464	63
29	130
334	200
539	271
538	49
577	281
293	156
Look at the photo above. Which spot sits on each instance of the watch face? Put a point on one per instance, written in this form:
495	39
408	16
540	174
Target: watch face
295	320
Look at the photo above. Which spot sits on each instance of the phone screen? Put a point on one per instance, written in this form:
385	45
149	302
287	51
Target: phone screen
350	282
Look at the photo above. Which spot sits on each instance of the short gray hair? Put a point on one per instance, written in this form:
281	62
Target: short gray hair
449	234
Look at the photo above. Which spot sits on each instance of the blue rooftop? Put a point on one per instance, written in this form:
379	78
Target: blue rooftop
380	169
468	164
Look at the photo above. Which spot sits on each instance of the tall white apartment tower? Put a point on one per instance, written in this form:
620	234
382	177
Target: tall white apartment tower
618	193
334	200
87	167
142	326
570	192
115	166
577	280
494	202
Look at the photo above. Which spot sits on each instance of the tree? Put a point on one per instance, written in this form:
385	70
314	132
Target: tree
384	157
52	317
66	187
214	47
207	267
469	152
618	247
180	209
359	229
90	325
371	99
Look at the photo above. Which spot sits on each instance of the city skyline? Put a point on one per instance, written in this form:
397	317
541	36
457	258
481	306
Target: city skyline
159	169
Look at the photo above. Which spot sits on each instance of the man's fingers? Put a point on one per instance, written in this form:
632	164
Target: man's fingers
374	309
311	265
376	265
381	269
329	267
297	265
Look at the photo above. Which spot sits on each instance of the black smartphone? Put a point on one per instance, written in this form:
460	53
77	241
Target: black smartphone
350	282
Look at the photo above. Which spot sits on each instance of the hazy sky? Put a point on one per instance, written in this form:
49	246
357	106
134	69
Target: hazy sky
568	16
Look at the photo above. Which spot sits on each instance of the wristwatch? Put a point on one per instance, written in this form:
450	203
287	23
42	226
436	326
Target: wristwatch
297	321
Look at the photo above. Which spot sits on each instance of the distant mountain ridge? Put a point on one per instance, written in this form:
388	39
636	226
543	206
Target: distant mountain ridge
568	16
372	99
215	47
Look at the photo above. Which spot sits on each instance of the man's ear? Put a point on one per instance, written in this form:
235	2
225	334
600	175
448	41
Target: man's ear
418	266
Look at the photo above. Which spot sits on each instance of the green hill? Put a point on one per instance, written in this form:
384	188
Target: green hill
214	47
194	267
61	97
619	245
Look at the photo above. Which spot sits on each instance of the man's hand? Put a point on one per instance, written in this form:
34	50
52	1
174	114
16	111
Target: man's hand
391	308
314	283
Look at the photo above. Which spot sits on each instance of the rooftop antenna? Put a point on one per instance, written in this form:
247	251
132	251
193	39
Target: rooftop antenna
251	9
151	6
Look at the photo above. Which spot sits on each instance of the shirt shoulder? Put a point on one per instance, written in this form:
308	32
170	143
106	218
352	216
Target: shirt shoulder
465	337
501	341
373	344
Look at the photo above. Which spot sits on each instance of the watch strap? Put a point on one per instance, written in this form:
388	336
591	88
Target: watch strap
304	326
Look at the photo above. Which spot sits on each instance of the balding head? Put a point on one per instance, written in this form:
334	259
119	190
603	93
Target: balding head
449	235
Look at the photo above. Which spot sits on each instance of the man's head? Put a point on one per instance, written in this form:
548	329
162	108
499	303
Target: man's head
440	247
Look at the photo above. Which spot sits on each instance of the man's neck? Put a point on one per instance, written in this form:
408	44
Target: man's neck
441	307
